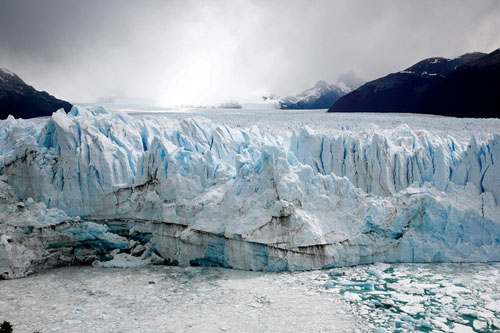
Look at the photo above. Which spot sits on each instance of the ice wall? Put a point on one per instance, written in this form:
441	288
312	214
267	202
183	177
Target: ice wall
191	192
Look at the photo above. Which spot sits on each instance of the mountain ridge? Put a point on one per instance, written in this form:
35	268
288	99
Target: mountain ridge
321	96
21	100
431	87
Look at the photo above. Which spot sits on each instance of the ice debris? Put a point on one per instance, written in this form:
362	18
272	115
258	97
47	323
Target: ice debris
411	297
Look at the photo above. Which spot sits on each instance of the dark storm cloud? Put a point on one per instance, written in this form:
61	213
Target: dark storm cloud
207	51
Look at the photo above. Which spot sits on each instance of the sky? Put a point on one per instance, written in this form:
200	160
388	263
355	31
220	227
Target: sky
208	52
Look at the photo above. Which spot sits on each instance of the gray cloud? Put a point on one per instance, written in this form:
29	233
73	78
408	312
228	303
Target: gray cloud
210	51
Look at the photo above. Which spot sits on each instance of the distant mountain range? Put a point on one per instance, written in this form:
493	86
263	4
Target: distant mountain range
321	96
467	86
23	101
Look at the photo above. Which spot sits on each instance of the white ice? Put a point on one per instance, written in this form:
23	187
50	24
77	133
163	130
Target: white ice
255	191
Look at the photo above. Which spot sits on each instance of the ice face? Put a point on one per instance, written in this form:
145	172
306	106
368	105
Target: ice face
192	192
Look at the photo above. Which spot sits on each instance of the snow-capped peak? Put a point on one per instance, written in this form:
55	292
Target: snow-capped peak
6	71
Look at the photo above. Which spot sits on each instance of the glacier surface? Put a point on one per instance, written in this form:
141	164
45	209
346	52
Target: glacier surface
103	187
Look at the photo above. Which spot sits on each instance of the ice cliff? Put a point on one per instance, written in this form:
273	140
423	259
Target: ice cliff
94	186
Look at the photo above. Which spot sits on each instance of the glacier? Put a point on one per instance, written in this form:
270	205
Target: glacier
105	188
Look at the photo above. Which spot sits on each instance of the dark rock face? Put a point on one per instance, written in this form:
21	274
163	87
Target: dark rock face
392	93
472	90
443	66
23	101
467	86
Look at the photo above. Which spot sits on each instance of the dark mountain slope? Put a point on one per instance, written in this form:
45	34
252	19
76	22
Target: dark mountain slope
472	90
392	93
23	101
462	87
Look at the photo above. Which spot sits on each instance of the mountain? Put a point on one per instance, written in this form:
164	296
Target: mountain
477	84
462	87
322	95
23	101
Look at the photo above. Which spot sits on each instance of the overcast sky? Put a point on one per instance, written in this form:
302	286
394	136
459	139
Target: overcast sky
198	52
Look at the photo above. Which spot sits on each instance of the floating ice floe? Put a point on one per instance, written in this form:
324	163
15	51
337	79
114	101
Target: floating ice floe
397	304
